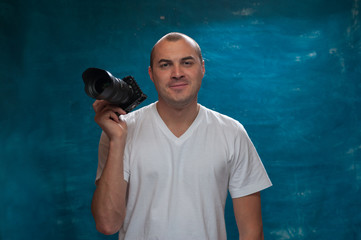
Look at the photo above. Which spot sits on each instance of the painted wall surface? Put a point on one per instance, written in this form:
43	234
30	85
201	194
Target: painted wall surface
288	70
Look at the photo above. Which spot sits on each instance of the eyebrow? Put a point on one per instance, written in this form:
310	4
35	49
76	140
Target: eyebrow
169	61
164	60
188	58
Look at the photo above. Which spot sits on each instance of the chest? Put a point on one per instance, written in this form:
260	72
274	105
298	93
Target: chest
198	160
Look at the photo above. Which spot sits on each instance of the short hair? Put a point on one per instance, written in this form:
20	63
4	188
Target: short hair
173	37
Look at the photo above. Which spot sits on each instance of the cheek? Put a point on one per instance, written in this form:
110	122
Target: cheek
160	77
158	83
200	78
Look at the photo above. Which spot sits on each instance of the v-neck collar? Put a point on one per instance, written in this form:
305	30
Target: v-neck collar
169	133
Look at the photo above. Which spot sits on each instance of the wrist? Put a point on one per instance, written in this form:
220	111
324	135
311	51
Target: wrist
117	140
115	135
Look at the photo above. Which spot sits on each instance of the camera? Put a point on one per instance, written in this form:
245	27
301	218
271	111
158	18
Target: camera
101	84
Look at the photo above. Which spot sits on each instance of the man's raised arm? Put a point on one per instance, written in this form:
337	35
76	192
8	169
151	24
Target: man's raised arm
109	199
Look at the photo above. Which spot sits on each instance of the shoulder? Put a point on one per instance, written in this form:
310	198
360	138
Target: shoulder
223	121
137	115
226	129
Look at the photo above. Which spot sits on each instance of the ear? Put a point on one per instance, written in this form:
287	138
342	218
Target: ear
203	68
150	72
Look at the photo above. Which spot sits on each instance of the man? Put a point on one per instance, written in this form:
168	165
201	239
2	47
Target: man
165	170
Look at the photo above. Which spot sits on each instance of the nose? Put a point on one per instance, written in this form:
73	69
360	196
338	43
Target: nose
177	72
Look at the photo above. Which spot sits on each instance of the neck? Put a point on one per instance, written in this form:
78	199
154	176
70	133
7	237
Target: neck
178	119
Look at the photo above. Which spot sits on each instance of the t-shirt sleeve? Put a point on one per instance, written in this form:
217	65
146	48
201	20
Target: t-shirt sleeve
103	150
247	173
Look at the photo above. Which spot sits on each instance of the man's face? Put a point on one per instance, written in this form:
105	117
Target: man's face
177	72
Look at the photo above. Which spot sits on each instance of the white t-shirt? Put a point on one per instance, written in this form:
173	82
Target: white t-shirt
178	186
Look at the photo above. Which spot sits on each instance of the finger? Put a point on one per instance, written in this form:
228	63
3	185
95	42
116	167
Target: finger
114	108
106	115
113	116
120	111
99	105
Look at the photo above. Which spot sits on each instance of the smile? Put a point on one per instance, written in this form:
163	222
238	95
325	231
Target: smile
178	85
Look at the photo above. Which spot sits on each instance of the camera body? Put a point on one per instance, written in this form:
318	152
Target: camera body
101	84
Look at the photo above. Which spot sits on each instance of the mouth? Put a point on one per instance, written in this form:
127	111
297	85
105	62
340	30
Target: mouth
178	85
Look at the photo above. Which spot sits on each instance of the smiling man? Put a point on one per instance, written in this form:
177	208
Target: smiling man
165	170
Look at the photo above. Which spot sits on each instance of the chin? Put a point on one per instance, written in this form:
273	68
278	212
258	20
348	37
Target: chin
181	103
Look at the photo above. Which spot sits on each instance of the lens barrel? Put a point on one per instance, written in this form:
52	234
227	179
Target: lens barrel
101	84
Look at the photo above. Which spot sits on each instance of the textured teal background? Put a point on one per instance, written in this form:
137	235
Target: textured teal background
288	70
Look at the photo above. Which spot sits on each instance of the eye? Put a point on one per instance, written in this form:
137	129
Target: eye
188	63
163	65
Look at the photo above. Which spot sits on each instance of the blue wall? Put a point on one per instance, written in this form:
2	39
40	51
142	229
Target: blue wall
288	70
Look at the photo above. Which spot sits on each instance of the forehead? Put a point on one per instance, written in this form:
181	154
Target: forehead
174	49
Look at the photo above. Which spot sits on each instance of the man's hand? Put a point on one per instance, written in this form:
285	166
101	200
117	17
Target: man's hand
107	117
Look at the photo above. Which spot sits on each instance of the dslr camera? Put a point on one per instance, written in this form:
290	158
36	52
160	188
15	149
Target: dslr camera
101	84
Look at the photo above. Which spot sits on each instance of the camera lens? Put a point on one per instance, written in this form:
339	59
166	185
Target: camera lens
100	84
